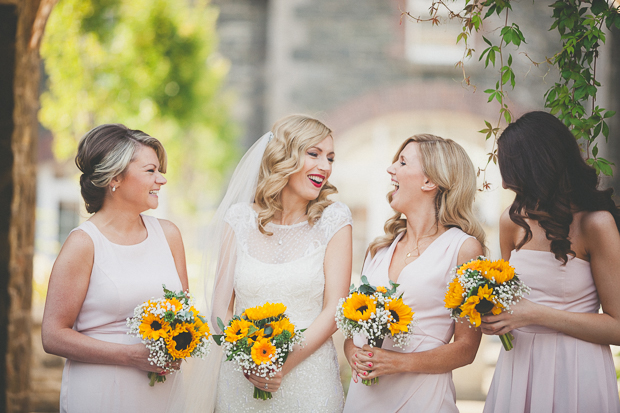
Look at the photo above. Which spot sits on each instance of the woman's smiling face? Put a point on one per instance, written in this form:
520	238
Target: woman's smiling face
317	168
140	183
407	176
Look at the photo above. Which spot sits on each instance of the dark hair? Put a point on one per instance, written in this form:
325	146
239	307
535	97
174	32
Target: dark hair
105	152
540	160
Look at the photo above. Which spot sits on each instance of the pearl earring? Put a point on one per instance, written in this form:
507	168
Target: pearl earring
113	189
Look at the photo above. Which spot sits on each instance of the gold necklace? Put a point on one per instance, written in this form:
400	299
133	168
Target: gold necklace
417	247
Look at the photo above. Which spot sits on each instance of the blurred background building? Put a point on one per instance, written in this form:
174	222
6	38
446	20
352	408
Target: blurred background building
372	75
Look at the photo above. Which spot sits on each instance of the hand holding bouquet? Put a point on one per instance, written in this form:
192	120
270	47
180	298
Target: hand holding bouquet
259	340
375	312
172	330
482	287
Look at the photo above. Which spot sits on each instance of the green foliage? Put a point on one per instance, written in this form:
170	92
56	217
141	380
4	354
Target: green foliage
573	97
149	64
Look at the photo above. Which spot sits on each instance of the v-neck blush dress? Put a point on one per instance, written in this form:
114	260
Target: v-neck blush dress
123	276
548	371
423	284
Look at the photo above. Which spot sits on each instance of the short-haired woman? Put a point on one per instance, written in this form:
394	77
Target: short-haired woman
562	236
111	263
433	229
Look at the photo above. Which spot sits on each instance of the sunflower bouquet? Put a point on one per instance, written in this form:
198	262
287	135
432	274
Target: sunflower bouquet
172	330
376	313
482	287
259	340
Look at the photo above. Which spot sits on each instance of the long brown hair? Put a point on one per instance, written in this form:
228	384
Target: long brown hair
540	161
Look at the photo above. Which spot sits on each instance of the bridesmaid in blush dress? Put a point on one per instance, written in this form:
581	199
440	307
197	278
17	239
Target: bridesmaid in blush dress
561	235
111	263
433	230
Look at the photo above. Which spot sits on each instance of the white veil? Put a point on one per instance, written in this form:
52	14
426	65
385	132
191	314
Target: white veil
195	386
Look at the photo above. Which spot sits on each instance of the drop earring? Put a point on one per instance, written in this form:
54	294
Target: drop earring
113	189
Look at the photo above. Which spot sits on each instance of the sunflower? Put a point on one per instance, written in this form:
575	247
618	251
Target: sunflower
201	327
153	327
237	329
174	305
501	271
474	265
268	310
487	301
256	336
282	325
382	289
182	340
469	309
401	315
454	296
359	307
263	351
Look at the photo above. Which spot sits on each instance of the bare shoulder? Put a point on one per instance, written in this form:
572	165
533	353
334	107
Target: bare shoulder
470	249
505	222
597	224
78	244
170	229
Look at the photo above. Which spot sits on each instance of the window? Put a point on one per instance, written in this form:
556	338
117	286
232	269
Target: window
426	44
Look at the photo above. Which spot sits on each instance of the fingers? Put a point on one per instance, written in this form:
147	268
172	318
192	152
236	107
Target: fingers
269	384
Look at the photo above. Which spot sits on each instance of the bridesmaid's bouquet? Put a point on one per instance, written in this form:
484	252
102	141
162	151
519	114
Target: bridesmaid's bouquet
259	340
172	330
375	312
482	287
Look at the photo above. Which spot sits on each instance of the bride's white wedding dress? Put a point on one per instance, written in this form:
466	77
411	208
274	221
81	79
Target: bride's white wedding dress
286	267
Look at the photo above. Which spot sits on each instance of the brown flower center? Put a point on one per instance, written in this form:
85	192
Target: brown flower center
183	340
395	315
156	325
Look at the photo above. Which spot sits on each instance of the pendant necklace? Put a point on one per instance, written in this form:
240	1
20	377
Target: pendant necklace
417	247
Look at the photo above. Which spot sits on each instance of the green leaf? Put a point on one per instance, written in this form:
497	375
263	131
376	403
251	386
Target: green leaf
220	324
599	6
595	150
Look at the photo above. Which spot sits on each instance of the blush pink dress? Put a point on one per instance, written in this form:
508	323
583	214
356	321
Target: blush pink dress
424	284
548	371
123	277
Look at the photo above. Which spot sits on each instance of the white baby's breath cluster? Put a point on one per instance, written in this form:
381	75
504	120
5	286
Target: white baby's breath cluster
164	309
376	327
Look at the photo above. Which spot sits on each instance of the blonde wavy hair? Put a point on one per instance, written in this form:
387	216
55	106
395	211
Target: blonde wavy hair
284	156
448	166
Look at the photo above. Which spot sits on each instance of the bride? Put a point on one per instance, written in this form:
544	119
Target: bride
282	240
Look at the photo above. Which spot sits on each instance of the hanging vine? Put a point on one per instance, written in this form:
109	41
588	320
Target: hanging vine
573	97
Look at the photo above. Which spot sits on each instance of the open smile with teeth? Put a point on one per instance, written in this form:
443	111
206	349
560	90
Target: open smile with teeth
154	192
317	180
396	184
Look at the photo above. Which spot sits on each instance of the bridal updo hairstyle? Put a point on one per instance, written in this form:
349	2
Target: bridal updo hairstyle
448	166
284	156
105	152
540	161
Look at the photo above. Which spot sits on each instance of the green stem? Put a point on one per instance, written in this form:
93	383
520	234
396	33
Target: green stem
370	382
506	340
261	394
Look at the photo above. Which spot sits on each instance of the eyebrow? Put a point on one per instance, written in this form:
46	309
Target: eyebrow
150	164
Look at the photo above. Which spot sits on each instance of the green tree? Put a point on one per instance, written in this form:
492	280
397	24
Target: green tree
150	64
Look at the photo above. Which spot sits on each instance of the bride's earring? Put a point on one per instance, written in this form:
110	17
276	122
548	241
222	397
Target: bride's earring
113	189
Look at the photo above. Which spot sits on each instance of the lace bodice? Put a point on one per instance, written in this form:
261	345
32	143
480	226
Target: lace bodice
286	267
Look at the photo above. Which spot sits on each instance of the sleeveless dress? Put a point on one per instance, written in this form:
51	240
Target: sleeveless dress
123	277
548	371
424	283
287	268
